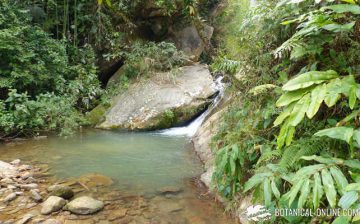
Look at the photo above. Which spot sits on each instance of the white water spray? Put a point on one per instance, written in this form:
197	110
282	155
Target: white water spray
191	128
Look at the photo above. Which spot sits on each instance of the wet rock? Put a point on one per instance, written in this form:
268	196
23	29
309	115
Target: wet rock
10	197
117	214
84	205
95	180
35	195
52	204
170	190
169	206
28	186
61	191
25	219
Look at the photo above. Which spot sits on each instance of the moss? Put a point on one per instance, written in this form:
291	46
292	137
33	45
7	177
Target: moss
97	114
166	120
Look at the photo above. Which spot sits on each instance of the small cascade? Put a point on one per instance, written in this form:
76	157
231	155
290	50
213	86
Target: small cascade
191	128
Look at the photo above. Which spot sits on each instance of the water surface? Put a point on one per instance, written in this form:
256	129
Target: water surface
138	163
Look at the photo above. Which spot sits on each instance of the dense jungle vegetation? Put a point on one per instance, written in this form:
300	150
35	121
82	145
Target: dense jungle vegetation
53	53
290	137
295	117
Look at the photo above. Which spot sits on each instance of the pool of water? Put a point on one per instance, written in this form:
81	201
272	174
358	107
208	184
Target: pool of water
138	163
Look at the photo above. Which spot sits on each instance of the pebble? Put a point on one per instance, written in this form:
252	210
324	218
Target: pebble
35	195
28	186
10	197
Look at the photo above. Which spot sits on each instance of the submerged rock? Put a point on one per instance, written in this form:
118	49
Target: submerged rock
61	191
162	101
170	190
52	204
84	205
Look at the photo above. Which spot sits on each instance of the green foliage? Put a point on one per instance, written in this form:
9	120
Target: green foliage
45	83
311	49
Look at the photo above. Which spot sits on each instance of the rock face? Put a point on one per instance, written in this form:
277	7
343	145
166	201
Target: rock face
84	206
161	101
191	41
52	204
202	140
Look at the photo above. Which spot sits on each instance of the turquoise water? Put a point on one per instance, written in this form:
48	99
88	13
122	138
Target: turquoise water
140	162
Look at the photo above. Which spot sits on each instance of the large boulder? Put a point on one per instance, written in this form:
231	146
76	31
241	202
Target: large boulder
161	101
84	205
192	40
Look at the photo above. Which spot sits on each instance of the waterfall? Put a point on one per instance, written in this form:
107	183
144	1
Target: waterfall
191	128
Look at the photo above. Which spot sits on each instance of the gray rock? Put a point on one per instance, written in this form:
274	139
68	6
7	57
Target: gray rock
10	197
84	205
191	41
161	101
52	204
35	195
61	191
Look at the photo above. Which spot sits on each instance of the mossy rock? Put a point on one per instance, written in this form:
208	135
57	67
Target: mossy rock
97	115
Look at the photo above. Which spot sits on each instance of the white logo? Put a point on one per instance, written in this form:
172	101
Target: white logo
257	213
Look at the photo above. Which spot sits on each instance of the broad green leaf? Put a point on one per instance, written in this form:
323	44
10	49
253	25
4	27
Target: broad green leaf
339	178
342	133
317	97
275	190
290	135
342	8
349	1
232	166
308	170
329	187
353	187
352	97
282	135
317	190
348	199
300	108
305	190
342	220
255	180
308	79
353	163
267	192
320	159
333	92
294	191
289	97
355	176
286	113
334	27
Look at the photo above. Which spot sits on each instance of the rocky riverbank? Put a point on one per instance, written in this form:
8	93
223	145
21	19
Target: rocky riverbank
28	194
